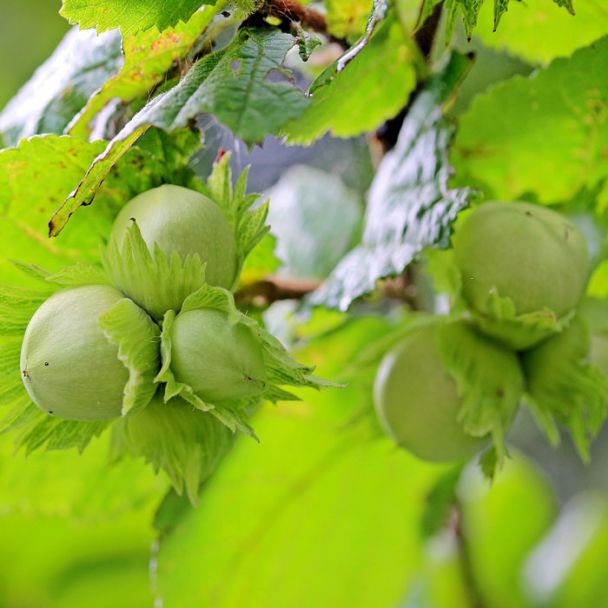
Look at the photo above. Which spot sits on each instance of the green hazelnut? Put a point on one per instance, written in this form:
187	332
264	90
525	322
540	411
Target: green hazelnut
187	222
417	400
219	360
68	366
527	253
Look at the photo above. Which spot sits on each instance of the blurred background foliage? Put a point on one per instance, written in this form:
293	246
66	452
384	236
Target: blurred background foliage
325	512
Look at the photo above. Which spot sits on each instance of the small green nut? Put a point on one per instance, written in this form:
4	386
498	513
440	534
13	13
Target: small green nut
527	253
187	222
219	360
68	366
417	400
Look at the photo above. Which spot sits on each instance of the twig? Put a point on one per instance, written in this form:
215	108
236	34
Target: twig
292	10
274	288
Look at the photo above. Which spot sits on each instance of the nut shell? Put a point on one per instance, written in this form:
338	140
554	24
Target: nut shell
187	222
68	366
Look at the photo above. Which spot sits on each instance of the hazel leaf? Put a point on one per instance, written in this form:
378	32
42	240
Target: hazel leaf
410	205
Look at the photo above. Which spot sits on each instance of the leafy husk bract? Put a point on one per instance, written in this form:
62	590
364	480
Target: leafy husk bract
156	281
137	337
489	379
563	388
186	443
518	331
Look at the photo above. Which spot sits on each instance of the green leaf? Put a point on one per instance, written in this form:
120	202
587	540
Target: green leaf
186	443
81	486
347	18
316	220
138	339
317	474
470	10
439	502
410	205
544	134
130	16
147	57
567	4
231	83
528	22
372	88
34	178
426	10
61	86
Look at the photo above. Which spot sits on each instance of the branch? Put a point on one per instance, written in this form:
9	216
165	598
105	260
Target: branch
292	10
272	289
263	293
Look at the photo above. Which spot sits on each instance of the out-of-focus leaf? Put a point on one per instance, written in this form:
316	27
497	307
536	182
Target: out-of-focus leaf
502	522
67	484
61	86
147	57
410	206
373	87
347	17
261	262
315	219
131	16
528	23
56	562
470	11
567	568
543	134
440	502
314	478
231	83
